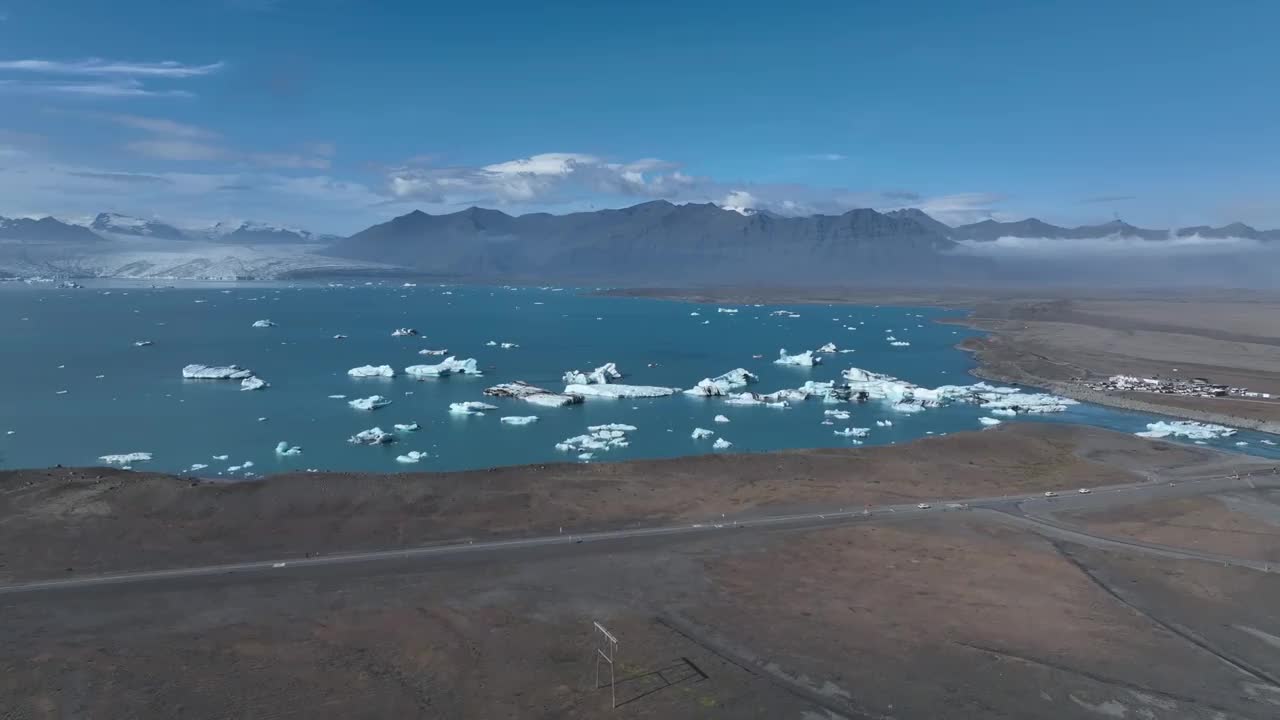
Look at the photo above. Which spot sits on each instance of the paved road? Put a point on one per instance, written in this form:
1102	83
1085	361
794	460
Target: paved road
1011	508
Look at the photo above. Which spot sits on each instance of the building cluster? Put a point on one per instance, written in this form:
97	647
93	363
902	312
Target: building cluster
1192	387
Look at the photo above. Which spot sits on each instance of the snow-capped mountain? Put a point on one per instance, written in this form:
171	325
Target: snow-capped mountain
109	222
45	230
257	233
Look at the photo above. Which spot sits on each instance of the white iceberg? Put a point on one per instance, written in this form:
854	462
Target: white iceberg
412	456
836	414
884	423
900	343
283	449
1186	429
196	467
372	371
722	384
403	332
699	433
406	427
508	345
532	394
585	456
433	352
612	427
253	382
470	407
828	348
804	359
721	444
142	343
125	458
372	436
518	419
989	421
449	366
600	437
263	324
339	337
337	397
602	375
221	457
215	372
373	402
720	419
619	391
1024	402
727	311
853	432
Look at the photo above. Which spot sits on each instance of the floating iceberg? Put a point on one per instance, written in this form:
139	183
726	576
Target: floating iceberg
412	456
142	343
532	394
602	375
1187	429
196	467
804	359
601	437
989	421
619	391
613	427
699	433
372	371
339	337
252	382
125	458
215	372
337	397
221	457
721	444
728	311
508	345
1024	402
449	366
836	414
721	384
900	343
263	324
406	427
403	332
373	402
372	436
470	408
518	419
720	419
284	449
884	423
853	432
828	348
444	351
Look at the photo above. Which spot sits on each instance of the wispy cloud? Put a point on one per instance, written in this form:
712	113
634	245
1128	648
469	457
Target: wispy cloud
98	89
1110	246
828	157
176	149
160	126
100	67
1107	199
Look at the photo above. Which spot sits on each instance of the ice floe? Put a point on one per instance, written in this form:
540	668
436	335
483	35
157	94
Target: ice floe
721	444
900	343
197	467
372	436
989	421
804	359
1186	429
284	449
143	343
215	372
125	458
373	402
586	456
699	433
884	423
836	414
722	384
828	348
372	371
444	351
532	394
602	375
853	432
727	311
263	324
406	427
619	391
449	366
253	382
599	437
720	419
403	332
470	407
518	419
413	456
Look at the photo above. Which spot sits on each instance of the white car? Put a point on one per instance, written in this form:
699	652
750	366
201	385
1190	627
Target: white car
1050	493
1084	491
924	506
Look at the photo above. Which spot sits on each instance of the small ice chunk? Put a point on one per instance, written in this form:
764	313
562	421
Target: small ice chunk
413	456
221	458
585	456
828	348
196	467
284	449
837	414
470	408
403	332
406	427
125	458
372	436
142	343
253	382
721	444
508	345
337	397
989	421
518	419
804	359
373	402
853	432
900	343
727	311
372	371
263	324
433	352
884	423
720	419
699	433
339	337
215	372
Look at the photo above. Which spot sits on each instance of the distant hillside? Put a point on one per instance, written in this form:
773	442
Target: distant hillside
45	230
658	242
127	225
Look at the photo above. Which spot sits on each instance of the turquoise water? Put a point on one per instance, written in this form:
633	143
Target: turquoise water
61	340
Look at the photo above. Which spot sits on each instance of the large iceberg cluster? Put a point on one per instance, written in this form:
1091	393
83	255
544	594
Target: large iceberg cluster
719	385
909	397
532	394
598	437
1186	429
449	366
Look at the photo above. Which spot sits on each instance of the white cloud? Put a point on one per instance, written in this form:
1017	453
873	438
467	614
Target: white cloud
738	201
100	67
126	88
829	157
1110	246
176	149
161	126
960	208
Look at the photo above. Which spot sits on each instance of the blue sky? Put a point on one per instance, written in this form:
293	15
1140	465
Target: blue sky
333	114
